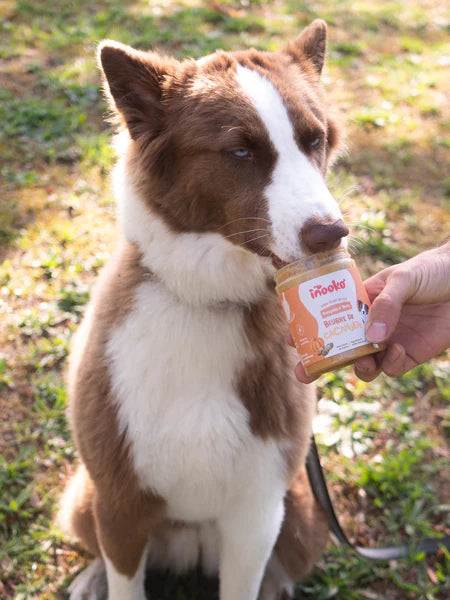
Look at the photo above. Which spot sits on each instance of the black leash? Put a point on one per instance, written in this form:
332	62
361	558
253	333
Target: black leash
320	490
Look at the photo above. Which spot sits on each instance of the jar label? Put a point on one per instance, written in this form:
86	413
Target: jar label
327	314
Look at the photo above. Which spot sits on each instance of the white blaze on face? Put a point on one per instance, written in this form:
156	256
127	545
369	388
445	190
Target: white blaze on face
297	190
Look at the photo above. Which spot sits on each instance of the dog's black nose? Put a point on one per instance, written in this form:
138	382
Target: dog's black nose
317	236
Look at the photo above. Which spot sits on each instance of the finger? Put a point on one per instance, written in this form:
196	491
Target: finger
394	361
289	339
366	368
302	376
375	284
386	308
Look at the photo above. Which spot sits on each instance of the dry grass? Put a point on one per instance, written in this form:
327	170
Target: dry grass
388	78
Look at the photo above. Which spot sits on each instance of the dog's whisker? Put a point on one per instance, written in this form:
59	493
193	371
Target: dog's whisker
353	189
357	225
364	231
265	249
354	236
247	231
243	219
355	242
254	239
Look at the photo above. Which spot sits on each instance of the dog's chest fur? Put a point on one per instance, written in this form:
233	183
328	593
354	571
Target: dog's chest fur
174	369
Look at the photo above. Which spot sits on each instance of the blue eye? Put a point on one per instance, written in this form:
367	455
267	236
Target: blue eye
241	153
316	143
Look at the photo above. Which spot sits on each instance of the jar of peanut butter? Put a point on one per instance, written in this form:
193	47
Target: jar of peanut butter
326	307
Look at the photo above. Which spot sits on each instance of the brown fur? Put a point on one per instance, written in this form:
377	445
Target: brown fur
186	166
299	86
123	522
122	512
193	119
184	121
304	533
278	406
82	520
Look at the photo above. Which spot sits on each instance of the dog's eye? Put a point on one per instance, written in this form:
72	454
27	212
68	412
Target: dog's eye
316	143
241	153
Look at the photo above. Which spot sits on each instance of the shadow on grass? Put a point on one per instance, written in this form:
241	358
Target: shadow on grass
166	586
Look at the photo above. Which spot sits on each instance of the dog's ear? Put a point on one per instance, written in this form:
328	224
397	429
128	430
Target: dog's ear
311	45
134	81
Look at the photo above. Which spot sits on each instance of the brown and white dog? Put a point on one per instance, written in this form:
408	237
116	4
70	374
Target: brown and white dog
191	428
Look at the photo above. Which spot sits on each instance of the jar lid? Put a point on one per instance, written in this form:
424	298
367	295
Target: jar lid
311	262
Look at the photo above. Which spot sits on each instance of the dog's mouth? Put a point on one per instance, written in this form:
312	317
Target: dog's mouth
264	251
277	262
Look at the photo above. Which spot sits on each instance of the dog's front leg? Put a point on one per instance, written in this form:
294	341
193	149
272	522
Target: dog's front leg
123	530
125	587
249	529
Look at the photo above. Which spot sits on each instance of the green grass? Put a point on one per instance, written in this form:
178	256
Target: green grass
384	443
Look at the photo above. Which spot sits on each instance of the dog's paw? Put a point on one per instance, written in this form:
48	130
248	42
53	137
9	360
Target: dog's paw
90	584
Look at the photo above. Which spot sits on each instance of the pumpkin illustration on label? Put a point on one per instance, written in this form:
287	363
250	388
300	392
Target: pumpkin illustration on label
317	345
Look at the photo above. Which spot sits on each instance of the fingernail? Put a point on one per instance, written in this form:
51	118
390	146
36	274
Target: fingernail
376	332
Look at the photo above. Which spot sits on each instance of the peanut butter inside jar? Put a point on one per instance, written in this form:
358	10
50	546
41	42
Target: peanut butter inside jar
326	306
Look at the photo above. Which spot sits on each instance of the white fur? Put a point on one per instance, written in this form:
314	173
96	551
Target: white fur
121	587
177	549
182	548
275	580
173	367
90	584
200	268
71	493
249	529
210	548
297	191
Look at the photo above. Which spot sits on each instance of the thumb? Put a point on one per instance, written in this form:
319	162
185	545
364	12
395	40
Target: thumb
387	306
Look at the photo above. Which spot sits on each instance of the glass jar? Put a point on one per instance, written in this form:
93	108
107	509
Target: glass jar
326	306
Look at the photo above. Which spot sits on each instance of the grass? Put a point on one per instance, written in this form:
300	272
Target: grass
384	443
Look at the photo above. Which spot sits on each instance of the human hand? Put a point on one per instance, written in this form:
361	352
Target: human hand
410	312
